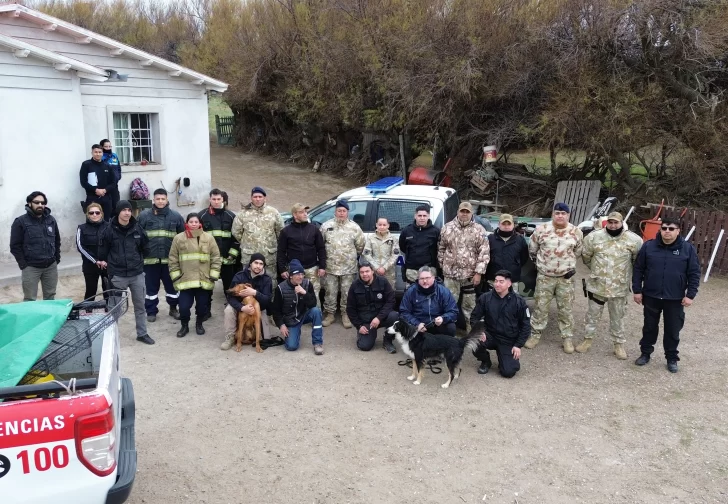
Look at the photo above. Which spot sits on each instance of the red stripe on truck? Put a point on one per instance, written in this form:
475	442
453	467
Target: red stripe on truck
38	421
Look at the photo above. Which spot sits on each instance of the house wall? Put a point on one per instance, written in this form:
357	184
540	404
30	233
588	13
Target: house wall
80	116
41	145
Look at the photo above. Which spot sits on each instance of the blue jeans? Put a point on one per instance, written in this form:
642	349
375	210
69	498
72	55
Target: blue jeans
313	317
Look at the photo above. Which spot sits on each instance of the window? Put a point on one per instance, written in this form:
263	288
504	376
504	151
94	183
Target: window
399	213
134	137
451	207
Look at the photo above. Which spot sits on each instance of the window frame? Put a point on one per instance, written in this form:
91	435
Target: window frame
156	127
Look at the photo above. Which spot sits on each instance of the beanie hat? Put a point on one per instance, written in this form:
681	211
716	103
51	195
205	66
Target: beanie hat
295	267
258	189
257	257
342	204
561	207
122	205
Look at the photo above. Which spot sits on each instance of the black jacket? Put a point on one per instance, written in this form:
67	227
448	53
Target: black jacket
88	238
302	241
419	245
365	302
104	176
507	319
261	283
509	255
290	308
35	241
124	248
666	271
220	225
161	225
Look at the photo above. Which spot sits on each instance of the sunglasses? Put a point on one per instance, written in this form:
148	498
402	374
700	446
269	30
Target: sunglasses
38	202
94	213
669	228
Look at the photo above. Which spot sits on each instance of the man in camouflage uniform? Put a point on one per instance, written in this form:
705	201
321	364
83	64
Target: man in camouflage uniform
610	254
344	240
554	248
463	254
257	227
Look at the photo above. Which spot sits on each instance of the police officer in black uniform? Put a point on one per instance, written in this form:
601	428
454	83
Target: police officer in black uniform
503	321
370	306
418	243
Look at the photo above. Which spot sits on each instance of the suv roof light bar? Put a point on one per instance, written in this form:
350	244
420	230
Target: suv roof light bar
384	185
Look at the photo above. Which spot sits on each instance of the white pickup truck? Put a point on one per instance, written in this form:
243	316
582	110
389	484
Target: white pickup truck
71	441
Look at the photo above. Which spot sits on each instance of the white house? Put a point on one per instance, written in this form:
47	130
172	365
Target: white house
64	88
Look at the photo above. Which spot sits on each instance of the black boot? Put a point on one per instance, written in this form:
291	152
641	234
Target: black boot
388	346
184	330
198	327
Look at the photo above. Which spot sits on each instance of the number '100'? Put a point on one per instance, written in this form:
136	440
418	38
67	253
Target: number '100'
43	458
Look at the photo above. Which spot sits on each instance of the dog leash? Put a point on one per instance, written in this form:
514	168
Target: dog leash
433	364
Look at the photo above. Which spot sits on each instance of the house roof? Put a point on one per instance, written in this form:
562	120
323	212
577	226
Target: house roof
59	62
115	48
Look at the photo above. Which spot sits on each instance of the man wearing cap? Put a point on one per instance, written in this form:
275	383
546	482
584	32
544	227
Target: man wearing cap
302	240
370	305
508	251
344	241
665	281
554	248
418	243
257	227
255	275
464	254
610	254
294	305
122	248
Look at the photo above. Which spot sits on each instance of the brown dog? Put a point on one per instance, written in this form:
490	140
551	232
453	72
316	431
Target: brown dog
247	324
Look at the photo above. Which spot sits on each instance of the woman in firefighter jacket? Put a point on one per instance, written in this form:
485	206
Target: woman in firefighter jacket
194	266
88	236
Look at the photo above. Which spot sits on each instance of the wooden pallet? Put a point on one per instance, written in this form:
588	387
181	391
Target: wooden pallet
581	196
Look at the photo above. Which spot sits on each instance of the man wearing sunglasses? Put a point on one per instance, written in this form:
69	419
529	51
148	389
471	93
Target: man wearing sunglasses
36	245
665	281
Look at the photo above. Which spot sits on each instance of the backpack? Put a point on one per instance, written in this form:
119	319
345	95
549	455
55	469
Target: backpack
138	190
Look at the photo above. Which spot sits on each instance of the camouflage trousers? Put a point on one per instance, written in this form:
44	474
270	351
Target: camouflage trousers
270	266
548	288
312	275
617	307
455	286
333	284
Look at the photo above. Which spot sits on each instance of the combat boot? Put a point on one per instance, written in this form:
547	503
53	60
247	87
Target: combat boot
228	343
619	351
174	313
198	327
531	342
328	319
184	330
568	346
584	346
345	321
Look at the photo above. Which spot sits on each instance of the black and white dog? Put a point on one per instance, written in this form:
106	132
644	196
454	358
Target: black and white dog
420	346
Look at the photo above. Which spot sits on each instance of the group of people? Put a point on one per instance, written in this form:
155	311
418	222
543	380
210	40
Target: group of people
286	266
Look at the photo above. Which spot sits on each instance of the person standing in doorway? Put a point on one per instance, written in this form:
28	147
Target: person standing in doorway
161	224
111	159
36	245
665	281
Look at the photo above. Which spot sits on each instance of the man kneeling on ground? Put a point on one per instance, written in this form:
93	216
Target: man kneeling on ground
294	304
504	322
369	305
429	305
256	276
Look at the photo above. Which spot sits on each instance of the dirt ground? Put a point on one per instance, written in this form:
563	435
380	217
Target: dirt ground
347	427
